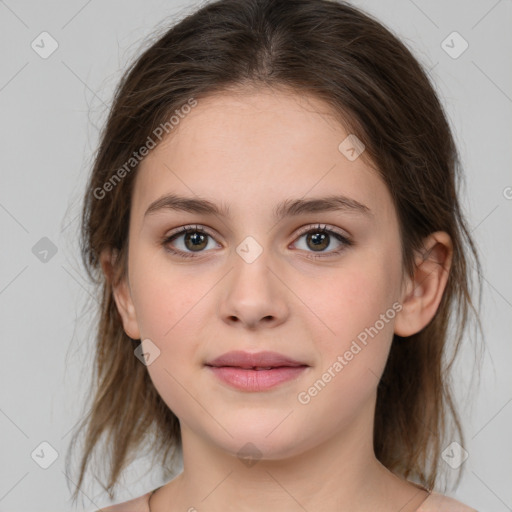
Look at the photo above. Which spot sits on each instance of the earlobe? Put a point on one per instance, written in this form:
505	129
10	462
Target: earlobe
425	289
122	295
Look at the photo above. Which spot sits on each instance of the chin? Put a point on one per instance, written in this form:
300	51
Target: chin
263	442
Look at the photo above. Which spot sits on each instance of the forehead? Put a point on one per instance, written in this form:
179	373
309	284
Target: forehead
251	149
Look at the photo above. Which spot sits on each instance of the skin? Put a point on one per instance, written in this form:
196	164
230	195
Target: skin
250	150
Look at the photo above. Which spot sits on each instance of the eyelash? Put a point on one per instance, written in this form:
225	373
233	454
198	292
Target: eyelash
319	228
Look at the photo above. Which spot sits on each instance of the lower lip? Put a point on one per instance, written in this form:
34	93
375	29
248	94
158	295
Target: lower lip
256	380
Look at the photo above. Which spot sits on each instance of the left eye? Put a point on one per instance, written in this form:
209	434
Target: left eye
195	240
320	238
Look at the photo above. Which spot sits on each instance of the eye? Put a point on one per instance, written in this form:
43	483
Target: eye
195	239
320	238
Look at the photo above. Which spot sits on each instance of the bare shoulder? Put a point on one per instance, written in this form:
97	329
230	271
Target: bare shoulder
440	503
139	504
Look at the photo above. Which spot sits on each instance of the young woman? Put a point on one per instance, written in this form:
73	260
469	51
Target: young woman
273	219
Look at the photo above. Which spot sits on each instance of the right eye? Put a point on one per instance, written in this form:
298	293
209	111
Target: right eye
194	239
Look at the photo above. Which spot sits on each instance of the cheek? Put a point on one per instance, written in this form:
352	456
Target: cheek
355	311
164	297
167	305
352	299
173	308
360	312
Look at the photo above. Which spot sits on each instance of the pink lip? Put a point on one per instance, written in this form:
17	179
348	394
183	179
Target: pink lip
243	359
255	371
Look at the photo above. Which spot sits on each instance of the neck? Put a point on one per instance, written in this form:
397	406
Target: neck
352	479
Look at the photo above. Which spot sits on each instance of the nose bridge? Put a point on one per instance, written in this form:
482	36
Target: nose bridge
251	275
253	293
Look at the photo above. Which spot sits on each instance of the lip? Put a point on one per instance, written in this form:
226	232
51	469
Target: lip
242	359
258	371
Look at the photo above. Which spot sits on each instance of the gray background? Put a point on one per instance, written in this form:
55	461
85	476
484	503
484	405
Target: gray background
51	111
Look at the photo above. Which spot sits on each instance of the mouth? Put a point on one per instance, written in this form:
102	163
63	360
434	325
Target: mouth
255	372
254	360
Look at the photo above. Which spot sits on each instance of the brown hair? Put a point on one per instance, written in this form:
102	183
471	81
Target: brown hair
382	95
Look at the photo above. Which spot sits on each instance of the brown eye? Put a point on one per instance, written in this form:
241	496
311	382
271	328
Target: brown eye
195	241
188	239
318	240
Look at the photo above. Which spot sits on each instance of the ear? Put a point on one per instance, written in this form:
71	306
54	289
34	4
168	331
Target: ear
122	293
424	291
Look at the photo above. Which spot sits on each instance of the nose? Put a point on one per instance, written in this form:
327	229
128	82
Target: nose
254	297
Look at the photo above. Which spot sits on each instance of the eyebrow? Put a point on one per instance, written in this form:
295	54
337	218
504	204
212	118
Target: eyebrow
287	208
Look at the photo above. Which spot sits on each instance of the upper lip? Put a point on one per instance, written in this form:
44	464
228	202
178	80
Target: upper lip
241	359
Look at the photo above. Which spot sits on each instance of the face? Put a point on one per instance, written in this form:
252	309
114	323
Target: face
319	286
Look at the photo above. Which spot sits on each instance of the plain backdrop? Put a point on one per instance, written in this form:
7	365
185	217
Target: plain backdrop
51	111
